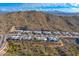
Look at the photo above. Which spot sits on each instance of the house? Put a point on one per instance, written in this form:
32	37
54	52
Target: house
52	39
75	33
14	37
47	32
64	33
37	32
27	32
67	33
56	33
41	38
24	37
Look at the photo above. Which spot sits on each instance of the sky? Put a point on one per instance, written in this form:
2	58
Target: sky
64	7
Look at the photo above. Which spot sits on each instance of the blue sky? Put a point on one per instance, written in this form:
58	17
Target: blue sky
64	7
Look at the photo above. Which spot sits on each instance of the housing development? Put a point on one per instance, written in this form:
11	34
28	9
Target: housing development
42	36
45	35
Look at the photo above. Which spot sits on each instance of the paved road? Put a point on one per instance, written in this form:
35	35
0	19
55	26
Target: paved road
2	44
60	36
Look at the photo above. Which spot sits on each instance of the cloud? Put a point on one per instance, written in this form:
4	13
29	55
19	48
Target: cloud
70	10
65	7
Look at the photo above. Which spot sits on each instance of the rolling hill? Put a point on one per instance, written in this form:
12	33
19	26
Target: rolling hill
37	20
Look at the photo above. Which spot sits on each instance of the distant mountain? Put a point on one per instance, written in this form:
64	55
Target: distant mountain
60	13
63	13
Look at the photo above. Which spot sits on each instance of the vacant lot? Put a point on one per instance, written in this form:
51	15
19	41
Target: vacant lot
23	48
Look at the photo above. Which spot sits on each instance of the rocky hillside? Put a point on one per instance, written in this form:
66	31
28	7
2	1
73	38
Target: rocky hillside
38	20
